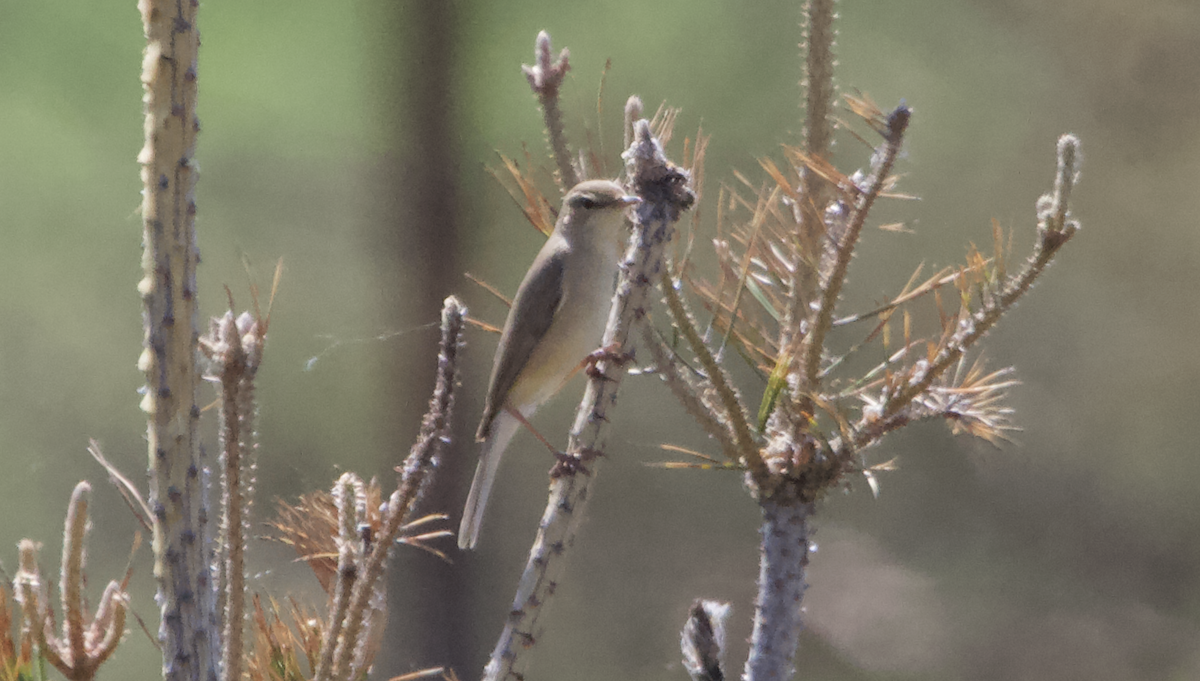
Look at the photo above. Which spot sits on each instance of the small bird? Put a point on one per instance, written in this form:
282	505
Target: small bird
557	319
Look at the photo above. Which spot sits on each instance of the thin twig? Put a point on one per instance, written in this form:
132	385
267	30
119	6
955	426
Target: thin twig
691	396
1054	230
71	586
346	493
822	318
545	77
128	491
414	477
818	87
730	403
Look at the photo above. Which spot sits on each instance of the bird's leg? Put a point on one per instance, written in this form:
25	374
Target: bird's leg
608	353
565	463
529	426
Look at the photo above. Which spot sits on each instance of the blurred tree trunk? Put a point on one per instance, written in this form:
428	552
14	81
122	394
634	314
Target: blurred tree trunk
417	218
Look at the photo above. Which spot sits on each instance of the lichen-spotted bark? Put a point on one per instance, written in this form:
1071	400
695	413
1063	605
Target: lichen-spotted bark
168	289
781	585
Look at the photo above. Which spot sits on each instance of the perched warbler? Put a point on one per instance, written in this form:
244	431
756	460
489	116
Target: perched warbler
557	319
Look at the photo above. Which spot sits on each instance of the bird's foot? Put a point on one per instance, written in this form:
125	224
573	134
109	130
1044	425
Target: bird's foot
573	464
608	353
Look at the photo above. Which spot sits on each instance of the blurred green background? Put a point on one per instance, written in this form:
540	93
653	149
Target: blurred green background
352	139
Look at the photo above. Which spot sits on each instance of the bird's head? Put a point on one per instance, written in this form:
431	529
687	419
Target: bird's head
595	205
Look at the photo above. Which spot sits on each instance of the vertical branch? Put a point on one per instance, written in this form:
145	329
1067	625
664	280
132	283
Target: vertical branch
30	592
415	476
545	77
235	346
730	409
71	580
831	289
633	114
818	77
346	495
232	503
781	585
818	89
1055	224
168	289
664	196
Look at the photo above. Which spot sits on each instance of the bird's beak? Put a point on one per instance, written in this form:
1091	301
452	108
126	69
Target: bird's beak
630	200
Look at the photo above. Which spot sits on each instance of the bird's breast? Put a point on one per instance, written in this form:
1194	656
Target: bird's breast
578	325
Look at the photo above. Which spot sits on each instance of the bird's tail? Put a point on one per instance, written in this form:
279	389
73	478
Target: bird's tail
503	429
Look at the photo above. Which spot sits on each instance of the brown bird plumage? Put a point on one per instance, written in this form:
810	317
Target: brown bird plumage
557	319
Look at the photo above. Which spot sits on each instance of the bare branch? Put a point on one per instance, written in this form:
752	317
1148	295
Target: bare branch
781	587
731	410
1054	230
545	77
822	317
169	296
348	662
693	397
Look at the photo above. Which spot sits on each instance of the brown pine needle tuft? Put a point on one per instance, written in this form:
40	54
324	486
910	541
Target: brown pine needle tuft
710	463
538	210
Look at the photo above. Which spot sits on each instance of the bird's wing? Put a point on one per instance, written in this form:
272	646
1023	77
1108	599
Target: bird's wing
533	310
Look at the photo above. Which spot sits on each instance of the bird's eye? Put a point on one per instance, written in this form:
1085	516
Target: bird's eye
587	203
